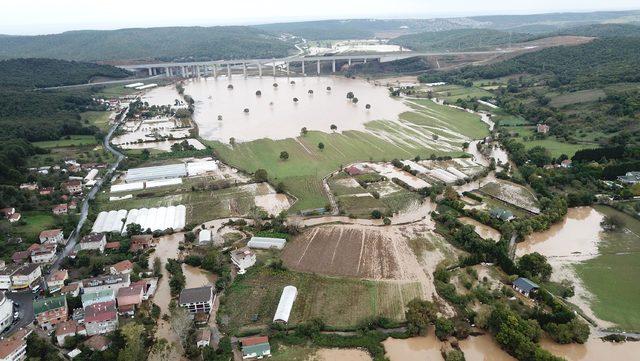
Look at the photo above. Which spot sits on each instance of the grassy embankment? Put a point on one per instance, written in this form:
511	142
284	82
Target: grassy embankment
303	171
612	277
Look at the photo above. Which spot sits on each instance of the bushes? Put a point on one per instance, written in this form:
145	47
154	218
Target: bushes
178	280
444	328
419	315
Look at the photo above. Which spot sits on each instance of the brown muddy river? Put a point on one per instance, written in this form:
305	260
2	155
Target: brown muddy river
274	114
594	350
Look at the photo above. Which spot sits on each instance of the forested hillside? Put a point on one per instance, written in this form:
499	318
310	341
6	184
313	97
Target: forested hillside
462	39
170	43
38	73
602	61
554	21
603	30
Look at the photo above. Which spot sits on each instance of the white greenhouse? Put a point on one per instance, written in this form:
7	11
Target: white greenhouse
289	294
158	172
267	243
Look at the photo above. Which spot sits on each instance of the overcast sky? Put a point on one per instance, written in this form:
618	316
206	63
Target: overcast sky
53	16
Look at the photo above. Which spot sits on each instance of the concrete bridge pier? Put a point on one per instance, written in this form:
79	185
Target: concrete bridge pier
198	71
303	68
167	71
260	69
150	71
318	66
365	60
333	65
228	71
349	62
244	69
287	65
274	67
215	70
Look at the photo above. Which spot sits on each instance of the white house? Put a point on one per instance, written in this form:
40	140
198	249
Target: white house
205	236
56	280
243	258
94	241
26	277
199	299
6	275
52	236
108	282
44	254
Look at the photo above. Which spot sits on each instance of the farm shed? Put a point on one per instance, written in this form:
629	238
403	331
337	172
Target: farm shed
525	286
204	236
157	172
289	294
267	243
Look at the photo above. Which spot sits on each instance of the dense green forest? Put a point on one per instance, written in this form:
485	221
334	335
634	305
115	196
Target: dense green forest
169	43
461	39
600	62
50	72
553	21
603	30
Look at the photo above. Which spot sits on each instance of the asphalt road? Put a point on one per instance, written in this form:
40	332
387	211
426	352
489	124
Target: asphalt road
24	301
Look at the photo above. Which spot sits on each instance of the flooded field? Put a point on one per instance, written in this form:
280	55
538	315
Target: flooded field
274	114
483	348
593	350
414	348
331	354
484	231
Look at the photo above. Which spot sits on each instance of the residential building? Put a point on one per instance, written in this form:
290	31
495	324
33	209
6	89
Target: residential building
121	268
6	312
6	275
149	285
566	163
60	209
14	217
630	178
199	299
101	318
141	242
27	276
14	347
94	241
43	253
204	236
129	298
542	128
107	282
112	246
203	337
72	289
6	212
502	214
68	329
97	343
525	286
243	258
89	298
46	191
20	257
56	280
51	236
73	186
29	186
255	347
50	311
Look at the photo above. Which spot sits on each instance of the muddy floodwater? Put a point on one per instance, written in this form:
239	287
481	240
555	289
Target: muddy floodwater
483	348
477	348
274	114
576	237
594	350
340	354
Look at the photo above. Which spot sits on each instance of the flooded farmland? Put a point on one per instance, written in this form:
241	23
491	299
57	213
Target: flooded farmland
483	231
274	114
593	350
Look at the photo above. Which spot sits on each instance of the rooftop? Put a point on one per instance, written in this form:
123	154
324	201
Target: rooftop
196	295
122	266
50	233
27	269
100	312
525	284
60	275
94	237
97	343
47	304
254	340
107	279
92	296
130	291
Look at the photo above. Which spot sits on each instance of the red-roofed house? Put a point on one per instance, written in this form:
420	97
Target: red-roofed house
129	297
52	236
56	280
43	253
73	186
10	214
20	256
255	347
97	343
112	246
100	318
46	191
121	268
60	209
72	289
68	329
542	128
14	348
141	242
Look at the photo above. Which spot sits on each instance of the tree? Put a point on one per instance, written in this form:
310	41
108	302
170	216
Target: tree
535	265
368	106
284	155
419	315
280	187
386	221
376	214
295	100
133	229
232	141
350	95
354	100
444	328
303	131
321	146
181	323
435	137
157	267
132	333
260	175
258	93
334	127
162	350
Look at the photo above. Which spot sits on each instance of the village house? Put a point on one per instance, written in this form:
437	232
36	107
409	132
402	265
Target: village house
73	204
542	128
29	186
93	242
525	286
566	163
43	253
204	236
89	298
148	285
26	277
10	214
20	257
502	214
6	275
68	329
630	178
107	282
60	209
255	347
101	318
73	186
52	236
203	337
56	280
14	347
46	191
243	258
129	298
121	268
97	343
141	242
111	246
72	289
50	311
199	299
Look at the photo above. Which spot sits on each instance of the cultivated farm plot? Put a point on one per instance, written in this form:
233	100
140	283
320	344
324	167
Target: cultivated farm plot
580	96
353	252
513	194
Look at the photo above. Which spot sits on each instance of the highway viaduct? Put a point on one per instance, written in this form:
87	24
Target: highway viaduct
216	67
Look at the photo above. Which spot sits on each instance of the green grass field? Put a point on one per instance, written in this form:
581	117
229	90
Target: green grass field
612	277
35	223
303	171
73	141
85	154
451	93
581	96
555	146
339	302
99	119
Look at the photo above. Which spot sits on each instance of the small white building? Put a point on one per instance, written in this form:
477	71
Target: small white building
44	254
26	277
52	236
289	294
243	258
95	241
56	280
267	243
204	237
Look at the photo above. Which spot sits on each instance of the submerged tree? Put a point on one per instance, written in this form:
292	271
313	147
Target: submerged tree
321	146
368	106
258	93
284	155
295	100
350	95
303	131
334	127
